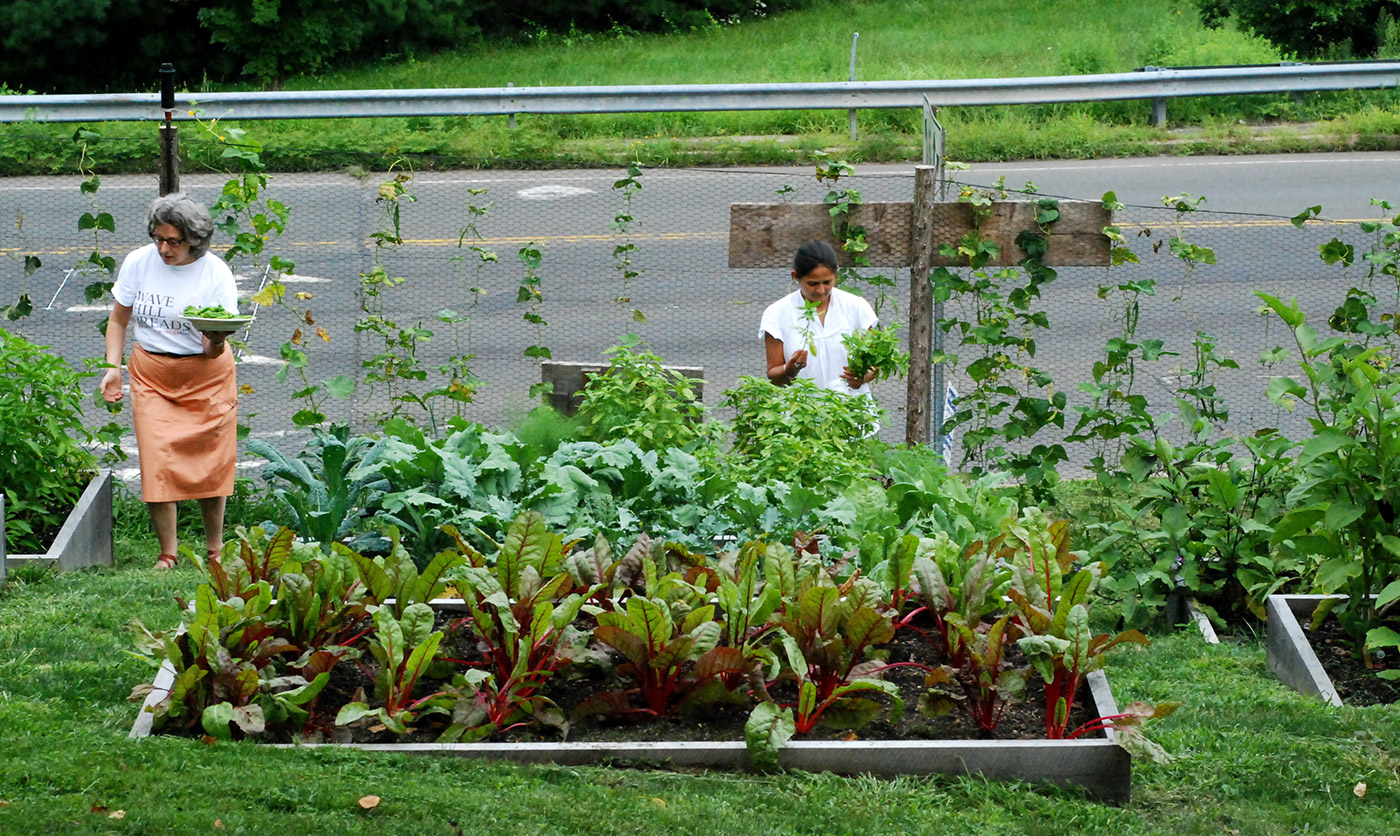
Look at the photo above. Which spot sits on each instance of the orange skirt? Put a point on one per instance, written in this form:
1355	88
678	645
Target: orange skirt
185	410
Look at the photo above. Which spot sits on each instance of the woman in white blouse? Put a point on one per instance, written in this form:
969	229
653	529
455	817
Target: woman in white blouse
803	331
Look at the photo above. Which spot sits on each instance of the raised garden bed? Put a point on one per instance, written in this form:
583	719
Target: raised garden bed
1290	655
1294	659
1097	763
85	538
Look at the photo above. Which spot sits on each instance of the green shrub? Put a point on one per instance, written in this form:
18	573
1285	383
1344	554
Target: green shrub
638	399
43	465
800	434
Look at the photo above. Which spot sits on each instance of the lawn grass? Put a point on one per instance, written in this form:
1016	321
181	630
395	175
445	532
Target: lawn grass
1251	756
899	39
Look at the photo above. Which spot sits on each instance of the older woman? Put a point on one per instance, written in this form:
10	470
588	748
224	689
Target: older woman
183	394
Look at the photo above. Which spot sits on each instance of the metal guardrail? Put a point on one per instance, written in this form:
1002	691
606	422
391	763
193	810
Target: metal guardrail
846	95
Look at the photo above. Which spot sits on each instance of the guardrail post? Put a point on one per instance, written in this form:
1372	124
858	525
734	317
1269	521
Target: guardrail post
1159	104
855	36
510	120
169	134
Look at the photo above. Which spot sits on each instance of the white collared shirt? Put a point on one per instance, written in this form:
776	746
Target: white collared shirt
826	356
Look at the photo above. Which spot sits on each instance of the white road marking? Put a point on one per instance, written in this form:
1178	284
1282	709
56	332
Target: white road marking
552	192
259	360
85	308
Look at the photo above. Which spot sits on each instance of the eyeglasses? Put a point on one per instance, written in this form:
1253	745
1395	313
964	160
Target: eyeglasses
169	242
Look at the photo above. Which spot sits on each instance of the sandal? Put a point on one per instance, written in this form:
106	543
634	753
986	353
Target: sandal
166	561
215	554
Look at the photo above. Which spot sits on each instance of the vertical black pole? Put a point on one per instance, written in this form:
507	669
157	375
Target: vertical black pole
169	134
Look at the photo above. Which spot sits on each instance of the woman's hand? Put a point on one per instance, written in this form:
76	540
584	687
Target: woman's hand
214	342
111	386
854	382
796	363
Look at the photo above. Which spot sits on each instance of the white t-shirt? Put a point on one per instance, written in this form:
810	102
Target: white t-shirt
159	293
826	359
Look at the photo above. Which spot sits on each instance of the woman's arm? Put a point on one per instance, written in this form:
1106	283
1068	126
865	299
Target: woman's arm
117	323
782	372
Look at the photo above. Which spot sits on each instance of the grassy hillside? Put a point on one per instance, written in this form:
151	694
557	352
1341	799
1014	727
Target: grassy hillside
899	39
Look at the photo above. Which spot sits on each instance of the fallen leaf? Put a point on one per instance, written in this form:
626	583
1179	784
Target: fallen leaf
369	802
1359	790
377	728
850	736
117	814
218	824
208	740
97	808
4	803
660	802
1232	832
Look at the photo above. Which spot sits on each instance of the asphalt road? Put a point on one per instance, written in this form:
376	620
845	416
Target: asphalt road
698	312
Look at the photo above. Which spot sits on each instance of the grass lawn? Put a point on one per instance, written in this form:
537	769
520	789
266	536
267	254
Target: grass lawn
1251	756
899	39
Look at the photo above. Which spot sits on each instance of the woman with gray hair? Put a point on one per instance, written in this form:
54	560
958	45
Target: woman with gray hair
184	397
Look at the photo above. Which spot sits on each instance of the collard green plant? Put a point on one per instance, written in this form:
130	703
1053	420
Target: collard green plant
328	486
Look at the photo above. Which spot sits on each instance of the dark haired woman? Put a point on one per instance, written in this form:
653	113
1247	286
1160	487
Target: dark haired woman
803	331
183	394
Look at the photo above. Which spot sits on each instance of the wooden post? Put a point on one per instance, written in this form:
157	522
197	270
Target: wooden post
921	324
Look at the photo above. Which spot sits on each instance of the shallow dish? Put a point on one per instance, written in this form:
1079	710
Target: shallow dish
219	324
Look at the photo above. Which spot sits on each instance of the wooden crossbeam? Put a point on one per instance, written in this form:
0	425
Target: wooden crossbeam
766	235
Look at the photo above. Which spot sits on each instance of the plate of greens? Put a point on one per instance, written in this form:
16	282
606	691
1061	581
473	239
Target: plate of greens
215	318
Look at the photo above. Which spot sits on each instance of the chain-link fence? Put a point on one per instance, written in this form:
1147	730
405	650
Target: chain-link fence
694	310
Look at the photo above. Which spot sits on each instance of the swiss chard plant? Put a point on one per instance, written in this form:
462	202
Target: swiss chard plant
405	647
521	607
1052	599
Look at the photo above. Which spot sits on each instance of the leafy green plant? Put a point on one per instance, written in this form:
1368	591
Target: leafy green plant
1052	602
1215	511
321	498
41	442
404	648
638	399
1343	507
876	349
624	247
1011	400
522	606
799	433
670	659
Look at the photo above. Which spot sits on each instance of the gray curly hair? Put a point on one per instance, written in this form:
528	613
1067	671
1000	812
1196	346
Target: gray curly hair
185	214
